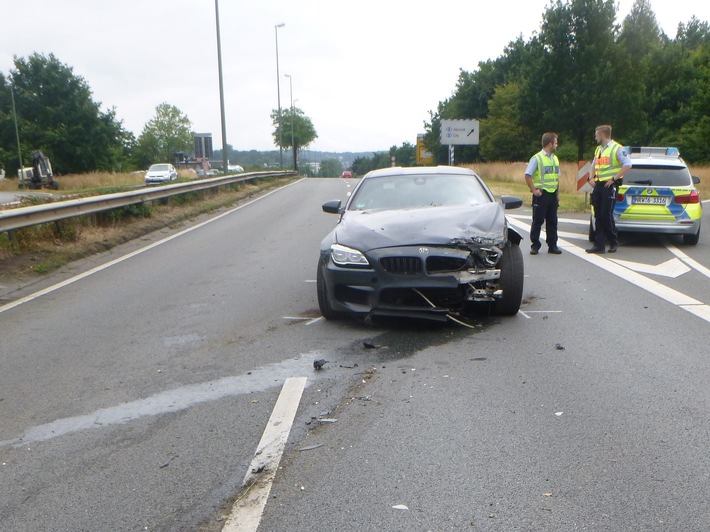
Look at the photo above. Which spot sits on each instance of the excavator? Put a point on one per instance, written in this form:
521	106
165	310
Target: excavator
39	175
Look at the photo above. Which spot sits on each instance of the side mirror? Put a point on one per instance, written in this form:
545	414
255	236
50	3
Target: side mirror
696	180
511	202
332	206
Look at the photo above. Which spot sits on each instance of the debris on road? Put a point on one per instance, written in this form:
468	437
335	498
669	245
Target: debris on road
319	363
400	507
311	447
560	347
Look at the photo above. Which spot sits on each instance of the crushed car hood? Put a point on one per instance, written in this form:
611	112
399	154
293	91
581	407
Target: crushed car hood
458	226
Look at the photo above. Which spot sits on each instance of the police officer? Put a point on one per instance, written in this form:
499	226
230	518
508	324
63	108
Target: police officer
611	162
543	178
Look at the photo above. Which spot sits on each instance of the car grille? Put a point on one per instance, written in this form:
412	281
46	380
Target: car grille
445	264
402	265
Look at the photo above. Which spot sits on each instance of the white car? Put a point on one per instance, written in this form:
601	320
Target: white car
160	173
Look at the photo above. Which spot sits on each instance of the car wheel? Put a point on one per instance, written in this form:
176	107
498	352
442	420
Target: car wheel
691	240
323	304
511	281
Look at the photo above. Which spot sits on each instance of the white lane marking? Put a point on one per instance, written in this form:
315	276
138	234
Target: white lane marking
523	314
79	277
671	268
573	221
695	307
314	320
690	262
247	511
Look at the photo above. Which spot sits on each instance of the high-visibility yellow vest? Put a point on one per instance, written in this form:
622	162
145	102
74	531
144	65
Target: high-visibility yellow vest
607	164
547	174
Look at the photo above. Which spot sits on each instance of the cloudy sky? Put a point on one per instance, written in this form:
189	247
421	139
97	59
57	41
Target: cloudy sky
366	72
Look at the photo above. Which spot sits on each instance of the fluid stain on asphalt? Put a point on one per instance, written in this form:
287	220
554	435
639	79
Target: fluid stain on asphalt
404	338
257	380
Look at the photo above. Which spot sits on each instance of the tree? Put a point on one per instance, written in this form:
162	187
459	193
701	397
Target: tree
582	79
405	155
56	114
294	130
169	131
362	165
330	168
505	137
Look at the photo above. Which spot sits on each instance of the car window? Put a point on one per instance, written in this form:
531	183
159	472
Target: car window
415	191
159	167
659	176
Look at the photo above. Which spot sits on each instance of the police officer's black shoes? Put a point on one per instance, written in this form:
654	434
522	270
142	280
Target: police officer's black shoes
534	251
555	251
612	248
595	249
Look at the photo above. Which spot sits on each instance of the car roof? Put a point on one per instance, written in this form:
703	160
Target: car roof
419	170
656	156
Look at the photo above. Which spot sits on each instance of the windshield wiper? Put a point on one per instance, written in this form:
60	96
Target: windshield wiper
641	182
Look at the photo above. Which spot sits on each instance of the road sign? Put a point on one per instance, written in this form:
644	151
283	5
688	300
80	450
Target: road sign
459	132
424	156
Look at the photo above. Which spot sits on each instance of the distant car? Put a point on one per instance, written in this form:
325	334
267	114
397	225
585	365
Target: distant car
235	168
346	174
658	195
425	242
160	173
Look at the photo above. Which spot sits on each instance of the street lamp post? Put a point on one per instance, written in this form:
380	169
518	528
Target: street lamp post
21	174
221	90
293	145
278	92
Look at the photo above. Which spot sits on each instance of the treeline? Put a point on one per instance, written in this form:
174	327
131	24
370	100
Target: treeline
56	113
581	70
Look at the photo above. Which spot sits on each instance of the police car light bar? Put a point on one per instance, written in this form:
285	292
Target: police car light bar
655	150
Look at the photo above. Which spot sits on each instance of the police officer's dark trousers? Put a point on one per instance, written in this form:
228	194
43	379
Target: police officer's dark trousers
544	211
603	201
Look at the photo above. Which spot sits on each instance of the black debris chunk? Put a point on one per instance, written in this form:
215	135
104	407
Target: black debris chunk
319	363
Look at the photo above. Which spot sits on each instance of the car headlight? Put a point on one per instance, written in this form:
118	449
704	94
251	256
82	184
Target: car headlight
344	256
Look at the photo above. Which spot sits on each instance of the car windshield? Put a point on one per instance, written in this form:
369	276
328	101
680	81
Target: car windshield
415	191
658	176
159	168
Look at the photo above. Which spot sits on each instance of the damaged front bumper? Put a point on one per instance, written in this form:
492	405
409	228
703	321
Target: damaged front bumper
415	281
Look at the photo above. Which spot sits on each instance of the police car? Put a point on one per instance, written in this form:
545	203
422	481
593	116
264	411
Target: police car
658	195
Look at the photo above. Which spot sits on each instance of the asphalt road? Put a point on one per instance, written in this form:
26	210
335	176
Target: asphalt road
135	397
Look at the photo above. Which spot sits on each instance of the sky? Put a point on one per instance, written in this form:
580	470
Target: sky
367	72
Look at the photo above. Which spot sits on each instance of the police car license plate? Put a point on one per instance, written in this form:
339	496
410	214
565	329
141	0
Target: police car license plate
649	200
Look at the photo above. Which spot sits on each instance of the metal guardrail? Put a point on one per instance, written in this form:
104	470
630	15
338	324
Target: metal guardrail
51	212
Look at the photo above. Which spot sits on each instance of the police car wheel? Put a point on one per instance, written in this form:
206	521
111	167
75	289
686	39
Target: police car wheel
691	240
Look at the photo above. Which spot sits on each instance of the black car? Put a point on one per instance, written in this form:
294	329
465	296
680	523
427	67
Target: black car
422	242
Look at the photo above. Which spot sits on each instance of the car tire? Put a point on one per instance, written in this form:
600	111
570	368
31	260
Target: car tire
691	240
511	281
323	304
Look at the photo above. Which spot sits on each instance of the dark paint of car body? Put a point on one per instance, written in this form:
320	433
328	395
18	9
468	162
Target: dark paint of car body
423	242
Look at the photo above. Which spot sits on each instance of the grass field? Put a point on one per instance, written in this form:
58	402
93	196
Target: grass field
509	178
